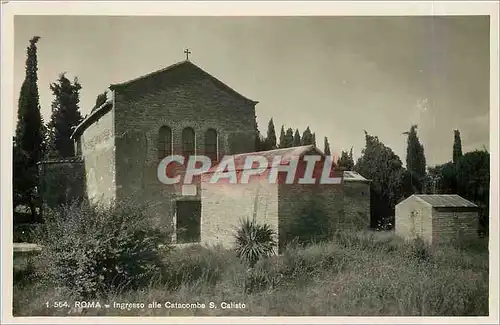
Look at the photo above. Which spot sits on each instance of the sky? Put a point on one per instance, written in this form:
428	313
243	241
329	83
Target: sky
338	75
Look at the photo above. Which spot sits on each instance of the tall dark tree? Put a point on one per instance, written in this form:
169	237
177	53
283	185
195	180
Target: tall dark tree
29	138
313	139
345	161
271	135
296	139
65	116
469	177
457	146
415	157
473	181
384	168
288	143
282	137
307	137
327	148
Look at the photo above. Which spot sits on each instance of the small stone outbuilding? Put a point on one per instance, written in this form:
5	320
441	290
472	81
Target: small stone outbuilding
436	218
290	208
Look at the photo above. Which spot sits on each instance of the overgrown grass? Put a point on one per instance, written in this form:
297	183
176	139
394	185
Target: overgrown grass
361	274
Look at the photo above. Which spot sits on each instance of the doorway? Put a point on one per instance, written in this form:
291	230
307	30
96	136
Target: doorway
188	221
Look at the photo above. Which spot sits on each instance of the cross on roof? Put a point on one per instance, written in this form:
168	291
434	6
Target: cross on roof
187	51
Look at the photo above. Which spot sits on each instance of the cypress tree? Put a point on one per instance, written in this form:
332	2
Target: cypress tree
29	138
282	137
288	138
457	147
307	137
327	148
296	138
65	115
415	157
271	135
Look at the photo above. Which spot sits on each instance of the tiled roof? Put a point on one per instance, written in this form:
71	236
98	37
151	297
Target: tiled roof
352	176
445	201
286	155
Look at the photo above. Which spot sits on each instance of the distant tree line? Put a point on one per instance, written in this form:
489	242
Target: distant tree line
466	175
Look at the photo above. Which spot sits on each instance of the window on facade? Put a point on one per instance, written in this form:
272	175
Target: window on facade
188	220
164	142
188	142
211	145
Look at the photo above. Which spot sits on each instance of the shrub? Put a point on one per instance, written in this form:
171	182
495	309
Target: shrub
254	241
312	225
194	264
24	270
420	250
24	232
92	250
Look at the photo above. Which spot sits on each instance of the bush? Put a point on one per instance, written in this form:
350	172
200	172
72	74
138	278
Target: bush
92	250
24	270
24	232
420	250
313	225
254	241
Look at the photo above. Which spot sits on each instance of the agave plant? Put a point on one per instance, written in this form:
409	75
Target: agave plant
254	241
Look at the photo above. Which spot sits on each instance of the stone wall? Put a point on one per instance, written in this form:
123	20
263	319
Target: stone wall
305	209
452	224
178	99
356	205
225	205
61	181
97	144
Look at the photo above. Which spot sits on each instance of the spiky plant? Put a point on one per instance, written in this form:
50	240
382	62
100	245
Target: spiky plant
254	241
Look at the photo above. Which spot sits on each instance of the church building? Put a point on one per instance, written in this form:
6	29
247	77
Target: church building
178	110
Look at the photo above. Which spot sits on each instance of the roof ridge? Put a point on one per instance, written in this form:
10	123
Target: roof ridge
55	161
150	74
178	64
270	151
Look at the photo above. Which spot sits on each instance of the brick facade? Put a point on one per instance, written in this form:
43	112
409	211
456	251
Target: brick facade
450	224
185	97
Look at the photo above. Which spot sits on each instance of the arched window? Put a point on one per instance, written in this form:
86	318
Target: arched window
164	142
211	145
188	142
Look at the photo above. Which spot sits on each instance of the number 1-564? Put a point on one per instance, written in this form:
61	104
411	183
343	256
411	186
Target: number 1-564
57	304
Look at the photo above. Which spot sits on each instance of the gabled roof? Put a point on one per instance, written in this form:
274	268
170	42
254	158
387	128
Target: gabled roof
286	155
445	200
185	63
352	176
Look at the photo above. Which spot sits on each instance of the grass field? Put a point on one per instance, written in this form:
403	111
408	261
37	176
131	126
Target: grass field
361	274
